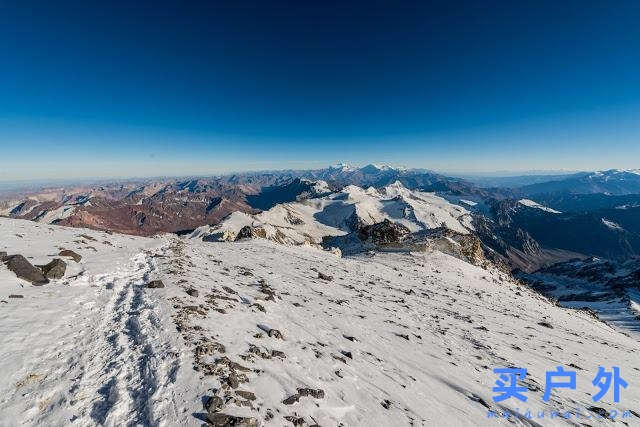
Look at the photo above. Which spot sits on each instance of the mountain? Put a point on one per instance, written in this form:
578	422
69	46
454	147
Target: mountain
315	220
614	182
176	331
610	290
530	235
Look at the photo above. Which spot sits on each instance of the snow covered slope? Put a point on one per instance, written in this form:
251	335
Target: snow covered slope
385	340
308	221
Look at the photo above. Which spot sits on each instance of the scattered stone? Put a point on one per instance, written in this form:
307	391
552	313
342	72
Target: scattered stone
246	395
22	268
317	393
155	284
274	333
75	256
295	420
545	324
600	411
224	420
259	307
55	269
214	404
325	277
291	399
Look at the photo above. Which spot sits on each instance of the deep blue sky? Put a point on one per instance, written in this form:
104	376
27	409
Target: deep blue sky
170	88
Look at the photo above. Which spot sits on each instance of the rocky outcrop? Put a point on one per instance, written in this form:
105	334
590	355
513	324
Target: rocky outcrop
22	268
249	232
55	269
384	233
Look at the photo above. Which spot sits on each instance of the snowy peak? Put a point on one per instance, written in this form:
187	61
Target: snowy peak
313	220
532	204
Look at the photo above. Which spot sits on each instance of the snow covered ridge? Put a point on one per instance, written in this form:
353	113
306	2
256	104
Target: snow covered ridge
310	221
532	204
272	335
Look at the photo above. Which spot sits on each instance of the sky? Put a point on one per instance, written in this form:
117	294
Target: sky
116	89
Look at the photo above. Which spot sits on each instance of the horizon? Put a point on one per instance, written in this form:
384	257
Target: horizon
117	91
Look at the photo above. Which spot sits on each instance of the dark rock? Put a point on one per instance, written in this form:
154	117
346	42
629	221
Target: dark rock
248	232
259	307
291	399
385	232
192	292
246	395
16	296
155	284
55	269
25	270
317	393
347	353
274	333
325	277
3	255
224	420
545	324
600	411
295	420
386	404
214	404
66	252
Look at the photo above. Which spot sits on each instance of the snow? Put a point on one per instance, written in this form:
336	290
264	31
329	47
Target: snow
532	204
61	212
96	348
308	221
468	202
612	225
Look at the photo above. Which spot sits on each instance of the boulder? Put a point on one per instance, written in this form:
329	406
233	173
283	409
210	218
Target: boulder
25	270
155	284
66	252
218	419
55	269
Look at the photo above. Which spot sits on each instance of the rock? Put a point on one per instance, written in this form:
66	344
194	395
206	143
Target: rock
598	410
274	333
291	399
214	404
55	269
259	307
155	284
325	277
545	324
246	395
384	233
66	252
248	232
386	404
317	393
224	420
347	354
16	296
3	255
192	292
295	420
25	270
